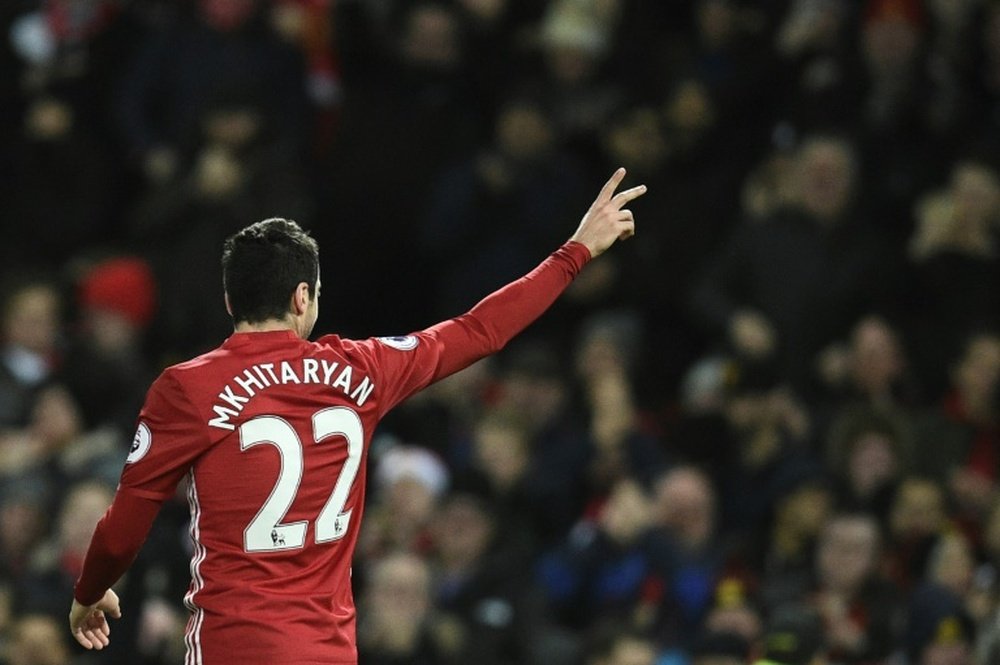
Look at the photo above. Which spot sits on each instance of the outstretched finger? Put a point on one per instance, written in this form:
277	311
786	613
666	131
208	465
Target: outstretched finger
611	185
621	198
82	639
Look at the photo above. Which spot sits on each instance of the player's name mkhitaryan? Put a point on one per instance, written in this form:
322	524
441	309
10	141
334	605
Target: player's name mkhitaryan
257	378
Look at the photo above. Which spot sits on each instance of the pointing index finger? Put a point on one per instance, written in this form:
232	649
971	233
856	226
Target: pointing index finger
611	185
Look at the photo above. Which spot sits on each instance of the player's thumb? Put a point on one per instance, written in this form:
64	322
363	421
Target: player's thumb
111	606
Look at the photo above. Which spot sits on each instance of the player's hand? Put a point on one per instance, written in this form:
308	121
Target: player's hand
89	624
608	220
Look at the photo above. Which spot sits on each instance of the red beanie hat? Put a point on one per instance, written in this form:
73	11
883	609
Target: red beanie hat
123	285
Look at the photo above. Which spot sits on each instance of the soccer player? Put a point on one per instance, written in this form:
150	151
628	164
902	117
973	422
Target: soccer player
272	432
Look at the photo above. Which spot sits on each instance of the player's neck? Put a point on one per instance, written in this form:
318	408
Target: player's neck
270	325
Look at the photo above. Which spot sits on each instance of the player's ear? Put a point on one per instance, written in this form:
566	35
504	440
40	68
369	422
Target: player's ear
229	308
301	298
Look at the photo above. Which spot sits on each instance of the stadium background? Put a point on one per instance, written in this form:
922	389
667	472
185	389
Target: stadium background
783	393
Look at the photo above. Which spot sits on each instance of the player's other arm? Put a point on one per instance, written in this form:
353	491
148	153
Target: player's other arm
116	542
170	437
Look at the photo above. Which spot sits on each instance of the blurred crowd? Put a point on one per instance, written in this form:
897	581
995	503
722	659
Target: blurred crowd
782	398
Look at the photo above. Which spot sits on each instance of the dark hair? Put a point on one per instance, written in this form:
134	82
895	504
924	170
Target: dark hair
263	264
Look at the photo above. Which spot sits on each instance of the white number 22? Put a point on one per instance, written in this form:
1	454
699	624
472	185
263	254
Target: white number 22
266	532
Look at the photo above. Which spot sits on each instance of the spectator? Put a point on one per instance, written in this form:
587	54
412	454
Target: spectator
56	150
473	584
24	523
803	503
57	564
966	443
395	629
873	369
223	48
938	630
685	512
954	261
858	607
105	368
409	482
403	124
610	567
38	639
781	289
917	518
869	453
523	178
30	353
240	165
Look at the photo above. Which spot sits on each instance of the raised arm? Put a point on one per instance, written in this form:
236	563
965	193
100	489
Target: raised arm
441	350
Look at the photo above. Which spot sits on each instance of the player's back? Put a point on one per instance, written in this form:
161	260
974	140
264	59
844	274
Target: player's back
277	472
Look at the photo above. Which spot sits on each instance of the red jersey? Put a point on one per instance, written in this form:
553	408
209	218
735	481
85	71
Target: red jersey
272	432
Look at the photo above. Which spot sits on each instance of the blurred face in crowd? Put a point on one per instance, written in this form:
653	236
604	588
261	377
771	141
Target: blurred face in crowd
978	372
876	356
55	417
957	653
689	110
805	510
825	177
48	120
38	640
227	15
232	127
716	23
638	141
952	564
918	509
485	10
431	38
524	132
847	553
537	399
575	41
410	501
32	319
871	462
626	514
462	531
399	591
502	451
22	523
976	192
82	509
743	620
685	504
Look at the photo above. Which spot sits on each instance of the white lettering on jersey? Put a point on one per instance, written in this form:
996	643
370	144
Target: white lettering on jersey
257	378
404	343
140	444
